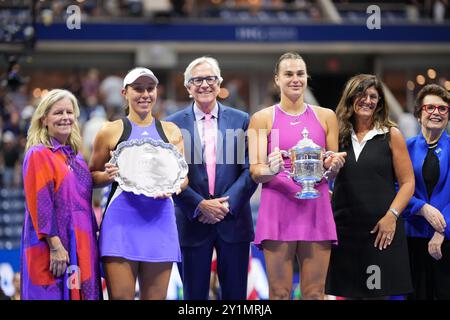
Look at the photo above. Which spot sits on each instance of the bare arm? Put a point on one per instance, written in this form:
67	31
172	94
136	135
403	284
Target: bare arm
405	178
258	131
332	130
175	137
329	122
403	171
104	143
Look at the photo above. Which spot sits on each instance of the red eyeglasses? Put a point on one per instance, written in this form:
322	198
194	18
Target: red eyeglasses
429	108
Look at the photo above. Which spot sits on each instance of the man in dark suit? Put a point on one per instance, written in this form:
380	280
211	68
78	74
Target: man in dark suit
214	210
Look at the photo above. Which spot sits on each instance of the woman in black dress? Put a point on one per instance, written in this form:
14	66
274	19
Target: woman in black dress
371	258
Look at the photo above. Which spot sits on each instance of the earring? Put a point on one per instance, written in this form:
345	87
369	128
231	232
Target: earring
191	96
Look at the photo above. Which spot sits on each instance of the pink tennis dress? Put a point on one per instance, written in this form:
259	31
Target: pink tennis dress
281	216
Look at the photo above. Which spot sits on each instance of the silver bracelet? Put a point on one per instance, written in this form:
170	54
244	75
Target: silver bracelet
394	212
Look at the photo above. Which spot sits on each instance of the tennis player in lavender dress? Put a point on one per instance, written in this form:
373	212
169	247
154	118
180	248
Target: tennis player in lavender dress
138	235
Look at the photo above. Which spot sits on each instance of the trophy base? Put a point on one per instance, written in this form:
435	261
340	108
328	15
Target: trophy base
307	195
308	190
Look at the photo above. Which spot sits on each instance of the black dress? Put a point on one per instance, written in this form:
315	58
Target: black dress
363	193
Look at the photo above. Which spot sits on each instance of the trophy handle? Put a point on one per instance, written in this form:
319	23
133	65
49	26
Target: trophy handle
327	154
286	154
289	174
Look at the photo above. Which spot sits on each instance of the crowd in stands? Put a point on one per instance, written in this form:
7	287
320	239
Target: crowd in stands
100	100
17	17
258	10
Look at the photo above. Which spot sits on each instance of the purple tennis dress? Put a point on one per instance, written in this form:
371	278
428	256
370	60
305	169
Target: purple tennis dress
281	216
137	227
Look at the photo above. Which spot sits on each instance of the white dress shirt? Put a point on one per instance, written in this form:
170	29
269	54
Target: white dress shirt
359	146
199	115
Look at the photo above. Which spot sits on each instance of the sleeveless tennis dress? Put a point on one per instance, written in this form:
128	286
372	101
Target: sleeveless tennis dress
281	216
137	227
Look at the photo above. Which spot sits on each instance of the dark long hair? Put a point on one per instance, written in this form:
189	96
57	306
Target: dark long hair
354	88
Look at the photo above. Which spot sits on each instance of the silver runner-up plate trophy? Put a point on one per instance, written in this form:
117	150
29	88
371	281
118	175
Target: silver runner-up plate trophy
307	166
149	167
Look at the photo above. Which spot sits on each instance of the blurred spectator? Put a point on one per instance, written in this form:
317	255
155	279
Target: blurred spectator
16	284
172	8
73	83
315	13
51	11
434	9
412	10
90	84
234	98
3	296
163	107
13	76
153	8
91	127
25	118
110	92
10	156
112	7
18	97
135	7
91	7
178	8
90	106
408	125
12	123
439	8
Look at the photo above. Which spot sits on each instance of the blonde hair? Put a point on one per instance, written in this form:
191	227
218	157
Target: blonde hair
38	132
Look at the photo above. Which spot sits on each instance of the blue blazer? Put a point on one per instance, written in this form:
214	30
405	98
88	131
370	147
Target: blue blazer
232	179
417	226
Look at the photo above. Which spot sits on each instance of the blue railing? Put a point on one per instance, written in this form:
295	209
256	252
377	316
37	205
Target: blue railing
256	33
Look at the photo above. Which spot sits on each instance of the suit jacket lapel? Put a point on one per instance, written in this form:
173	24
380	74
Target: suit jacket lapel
222	125
417	160
191	125
442	153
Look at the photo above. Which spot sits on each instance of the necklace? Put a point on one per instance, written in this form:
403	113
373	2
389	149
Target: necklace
432	146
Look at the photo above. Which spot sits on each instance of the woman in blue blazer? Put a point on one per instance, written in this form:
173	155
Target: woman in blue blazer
428	212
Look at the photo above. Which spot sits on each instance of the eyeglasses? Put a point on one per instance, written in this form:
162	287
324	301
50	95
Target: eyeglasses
429	108
372	97
198	81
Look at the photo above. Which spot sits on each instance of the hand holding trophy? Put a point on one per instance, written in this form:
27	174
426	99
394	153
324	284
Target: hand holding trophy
307	166
149	167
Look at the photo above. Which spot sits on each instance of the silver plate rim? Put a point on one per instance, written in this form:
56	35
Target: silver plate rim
182	165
